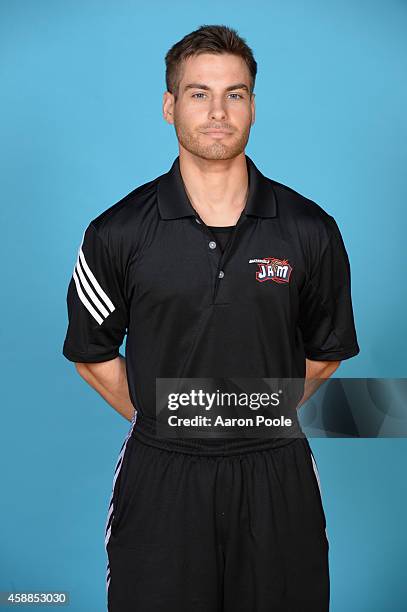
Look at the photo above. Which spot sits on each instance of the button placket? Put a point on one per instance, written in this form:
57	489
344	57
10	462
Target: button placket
216	258
223	258
212	250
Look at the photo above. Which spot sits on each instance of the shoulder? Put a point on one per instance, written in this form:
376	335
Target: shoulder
128	213
308	217
125	224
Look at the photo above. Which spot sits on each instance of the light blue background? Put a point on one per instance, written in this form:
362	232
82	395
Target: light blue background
81	126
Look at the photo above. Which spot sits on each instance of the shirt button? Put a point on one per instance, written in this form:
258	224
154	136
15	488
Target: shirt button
221	274
212	245
197	220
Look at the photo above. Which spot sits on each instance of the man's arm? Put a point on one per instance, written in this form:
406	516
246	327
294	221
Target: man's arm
316	372
109	379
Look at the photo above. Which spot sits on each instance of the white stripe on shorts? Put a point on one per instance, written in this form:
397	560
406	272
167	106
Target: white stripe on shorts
110	514
314	465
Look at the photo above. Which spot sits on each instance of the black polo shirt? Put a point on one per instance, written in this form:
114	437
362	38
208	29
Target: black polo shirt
222	234
148	266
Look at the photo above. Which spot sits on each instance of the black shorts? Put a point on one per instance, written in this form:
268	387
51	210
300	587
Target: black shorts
195	527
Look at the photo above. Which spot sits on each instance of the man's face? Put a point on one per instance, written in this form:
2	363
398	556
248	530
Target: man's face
213	94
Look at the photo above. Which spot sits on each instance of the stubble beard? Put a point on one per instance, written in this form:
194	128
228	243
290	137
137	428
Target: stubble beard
193	142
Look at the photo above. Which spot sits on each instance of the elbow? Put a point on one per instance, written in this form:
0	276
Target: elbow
93	369
332	366
82	369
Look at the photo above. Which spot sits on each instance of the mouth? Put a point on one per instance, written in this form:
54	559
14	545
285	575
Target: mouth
217	133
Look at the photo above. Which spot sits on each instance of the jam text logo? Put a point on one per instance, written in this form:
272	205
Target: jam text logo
270	268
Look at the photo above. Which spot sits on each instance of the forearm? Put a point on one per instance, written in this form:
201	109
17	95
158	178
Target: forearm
316	373
109	379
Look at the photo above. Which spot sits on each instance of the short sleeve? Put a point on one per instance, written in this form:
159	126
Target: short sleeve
326	314
97	311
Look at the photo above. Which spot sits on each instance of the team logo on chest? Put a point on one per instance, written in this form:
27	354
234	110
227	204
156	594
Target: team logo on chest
270	268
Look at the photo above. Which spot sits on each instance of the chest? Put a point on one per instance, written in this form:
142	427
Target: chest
261	266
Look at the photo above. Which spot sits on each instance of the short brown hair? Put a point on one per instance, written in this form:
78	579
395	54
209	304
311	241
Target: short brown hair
206	39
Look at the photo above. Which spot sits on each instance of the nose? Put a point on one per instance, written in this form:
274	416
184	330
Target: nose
217	110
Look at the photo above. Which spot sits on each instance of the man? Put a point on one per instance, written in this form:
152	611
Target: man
212	270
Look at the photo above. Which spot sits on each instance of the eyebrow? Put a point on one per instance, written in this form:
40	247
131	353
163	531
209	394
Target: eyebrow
203	86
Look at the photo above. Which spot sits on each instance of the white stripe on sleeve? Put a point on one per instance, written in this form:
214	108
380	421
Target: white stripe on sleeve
91	294
94	282
85	301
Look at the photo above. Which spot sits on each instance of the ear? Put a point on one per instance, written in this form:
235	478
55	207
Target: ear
253	106
168	107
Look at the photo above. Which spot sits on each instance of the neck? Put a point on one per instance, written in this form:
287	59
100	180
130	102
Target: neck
217	189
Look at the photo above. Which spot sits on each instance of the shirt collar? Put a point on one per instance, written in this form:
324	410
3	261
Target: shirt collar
173	202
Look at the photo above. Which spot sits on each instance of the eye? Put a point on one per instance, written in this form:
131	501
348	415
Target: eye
235	94
198	94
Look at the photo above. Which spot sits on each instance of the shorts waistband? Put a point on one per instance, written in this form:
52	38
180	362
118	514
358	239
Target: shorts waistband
144	429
